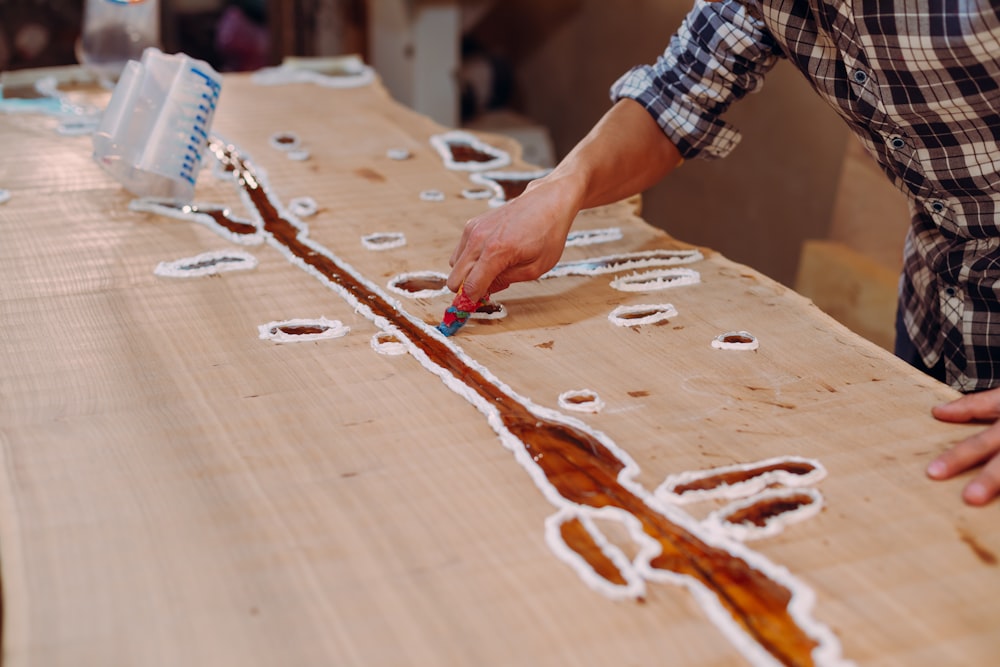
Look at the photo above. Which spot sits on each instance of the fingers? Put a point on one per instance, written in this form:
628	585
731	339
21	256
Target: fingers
499	285
465	255
518	241
499	250
983	446
459	270
968	453
483	254
479	274
986	486
981	406
463	242
491	275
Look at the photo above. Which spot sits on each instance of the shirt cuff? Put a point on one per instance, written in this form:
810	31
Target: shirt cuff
694	132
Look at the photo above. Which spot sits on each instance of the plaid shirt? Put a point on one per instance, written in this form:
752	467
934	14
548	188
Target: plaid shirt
919	82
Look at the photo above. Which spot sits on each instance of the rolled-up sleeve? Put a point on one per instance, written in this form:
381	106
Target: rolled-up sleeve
719	54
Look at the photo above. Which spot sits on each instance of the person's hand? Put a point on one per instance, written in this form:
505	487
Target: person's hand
625	153
983	447
518	241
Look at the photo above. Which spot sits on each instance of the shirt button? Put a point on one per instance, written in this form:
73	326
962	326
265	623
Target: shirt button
937	206
950	291
897	143
859	76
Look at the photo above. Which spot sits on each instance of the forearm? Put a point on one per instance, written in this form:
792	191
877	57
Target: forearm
624	154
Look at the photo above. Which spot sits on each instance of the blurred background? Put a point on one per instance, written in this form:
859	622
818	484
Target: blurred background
797	200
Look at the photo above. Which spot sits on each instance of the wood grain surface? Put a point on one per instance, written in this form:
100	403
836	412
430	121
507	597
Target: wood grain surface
176	491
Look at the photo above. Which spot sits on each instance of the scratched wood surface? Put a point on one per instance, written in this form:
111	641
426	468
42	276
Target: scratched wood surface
175	490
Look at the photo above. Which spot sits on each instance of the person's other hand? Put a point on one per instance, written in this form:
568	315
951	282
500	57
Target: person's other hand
981	448
518	241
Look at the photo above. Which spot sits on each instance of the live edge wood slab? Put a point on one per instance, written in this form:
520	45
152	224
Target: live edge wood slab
177	489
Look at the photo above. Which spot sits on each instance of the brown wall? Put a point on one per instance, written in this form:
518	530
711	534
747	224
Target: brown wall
756	206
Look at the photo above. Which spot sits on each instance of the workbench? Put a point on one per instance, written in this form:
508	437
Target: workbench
180	487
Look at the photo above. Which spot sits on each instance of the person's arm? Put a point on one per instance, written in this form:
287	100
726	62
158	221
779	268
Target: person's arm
983	447
663	112
625	153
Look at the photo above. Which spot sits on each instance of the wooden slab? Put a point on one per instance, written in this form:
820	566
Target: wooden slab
177	491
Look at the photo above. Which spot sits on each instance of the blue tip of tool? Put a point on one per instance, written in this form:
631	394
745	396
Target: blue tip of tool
451	330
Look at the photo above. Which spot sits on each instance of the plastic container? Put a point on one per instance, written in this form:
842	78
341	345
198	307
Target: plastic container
154	131
116	31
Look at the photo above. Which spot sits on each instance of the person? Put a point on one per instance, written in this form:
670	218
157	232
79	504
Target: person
917	82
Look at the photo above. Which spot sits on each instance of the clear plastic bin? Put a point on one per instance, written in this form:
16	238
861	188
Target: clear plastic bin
154	131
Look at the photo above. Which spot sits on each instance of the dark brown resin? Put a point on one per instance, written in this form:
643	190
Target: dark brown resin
574	462
737	338
466	153
738	476
639	314
421	283
513	187
300	329
222	217
490	308
205	263
764	510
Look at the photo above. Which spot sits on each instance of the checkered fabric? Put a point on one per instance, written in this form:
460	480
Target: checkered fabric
919	82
